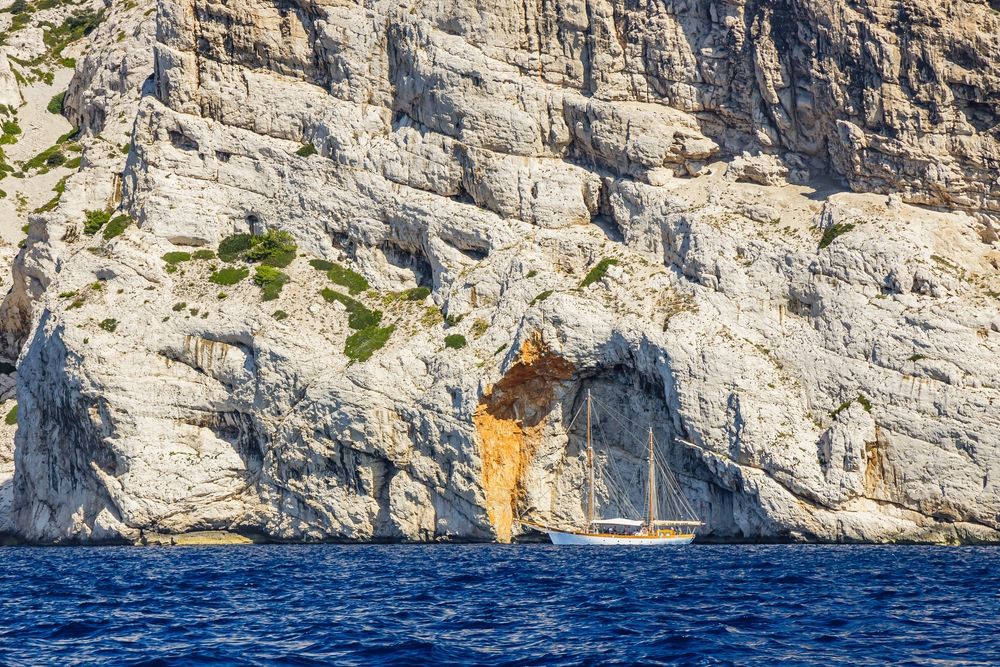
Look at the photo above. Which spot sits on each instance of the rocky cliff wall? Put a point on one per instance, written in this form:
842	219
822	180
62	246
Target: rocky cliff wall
896	97
823	361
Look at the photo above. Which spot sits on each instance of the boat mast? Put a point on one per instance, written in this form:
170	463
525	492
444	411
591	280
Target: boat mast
590	469
652	484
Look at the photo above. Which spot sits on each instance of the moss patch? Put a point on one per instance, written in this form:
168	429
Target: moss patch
320	264
177	257
229	275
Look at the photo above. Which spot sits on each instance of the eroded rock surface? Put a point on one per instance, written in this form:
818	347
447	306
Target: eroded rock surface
821	362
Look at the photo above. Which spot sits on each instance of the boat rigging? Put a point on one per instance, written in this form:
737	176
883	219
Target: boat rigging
650	530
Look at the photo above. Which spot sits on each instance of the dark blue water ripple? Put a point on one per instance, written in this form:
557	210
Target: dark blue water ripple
500	605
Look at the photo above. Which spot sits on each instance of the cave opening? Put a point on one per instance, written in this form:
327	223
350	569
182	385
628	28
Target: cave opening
626	403
624	406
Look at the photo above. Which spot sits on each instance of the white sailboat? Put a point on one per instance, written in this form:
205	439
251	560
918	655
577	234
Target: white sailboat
651	530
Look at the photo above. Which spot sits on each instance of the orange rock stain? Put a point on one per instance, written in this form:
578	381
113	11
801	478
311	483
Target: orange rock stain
509	421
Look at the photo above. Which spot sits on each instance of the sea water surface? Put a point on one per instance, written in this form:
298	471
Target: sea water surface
500	605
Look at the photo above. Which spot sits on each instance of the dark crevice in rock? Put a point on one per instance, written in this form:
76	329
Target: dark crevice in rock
409	259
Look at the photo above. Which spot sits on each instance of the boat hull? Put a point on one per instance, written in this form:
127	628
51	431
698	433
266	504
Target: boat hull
564	538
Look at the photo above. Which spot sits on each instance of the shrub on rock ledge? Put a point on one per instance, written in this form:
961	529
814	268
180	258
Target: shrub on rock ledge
598	272
321	264
542	296
345	277
479	327
270	280
455	341
232	247
117	225
94	220
55	105
362	344
272	248
361	317
832	232
416	293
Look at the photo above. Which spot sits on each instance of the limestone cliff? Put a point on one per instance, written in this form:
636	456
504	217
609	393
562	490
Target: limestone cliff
714	214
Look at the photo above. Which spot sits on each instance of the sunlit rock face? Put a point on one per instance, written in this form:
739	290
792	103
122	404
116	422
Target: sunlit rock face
703	212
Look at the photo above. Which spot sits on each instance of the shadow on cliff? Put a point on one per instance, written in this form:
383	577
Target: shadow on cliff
633	389
543	397
6	503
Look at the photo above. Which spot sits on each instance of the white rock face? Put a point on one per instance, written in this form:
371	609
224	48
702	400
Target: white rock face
820	364
26	44
10	92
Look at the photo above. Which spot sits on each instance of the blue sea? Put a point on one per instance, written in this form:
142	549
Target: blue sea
499	605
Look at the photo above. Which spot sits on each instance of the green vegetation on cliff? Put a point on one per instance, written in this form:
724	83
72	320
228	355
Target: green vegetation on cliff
360	316
598	272
455	341
270	280
345	277
229	275
362	344
272	248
